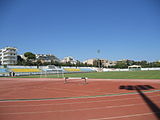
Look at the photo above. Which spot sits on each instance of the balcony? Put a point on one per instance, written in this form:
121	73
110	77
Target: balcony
9	59
9	55
8	63
9	52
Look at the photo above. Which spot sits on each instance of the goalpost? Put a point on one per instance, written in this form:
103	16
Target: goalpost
57	72
60	73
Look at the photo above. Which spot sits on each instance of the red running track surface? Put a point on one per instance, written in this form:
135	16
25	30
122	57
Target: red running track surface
23	99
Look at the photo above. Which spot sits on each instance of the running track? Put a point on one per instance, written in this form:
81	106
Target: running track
100	99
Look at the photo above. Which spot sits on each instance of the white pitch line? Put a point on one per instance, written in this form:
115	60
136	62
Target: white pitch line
73	110
126	116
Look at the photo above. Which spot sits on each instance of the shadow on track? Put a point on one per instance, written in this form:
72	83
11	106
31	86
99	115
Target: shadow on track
138	88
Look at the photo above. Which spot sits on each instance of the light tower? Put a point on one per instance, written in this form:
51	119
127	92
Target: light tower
99	64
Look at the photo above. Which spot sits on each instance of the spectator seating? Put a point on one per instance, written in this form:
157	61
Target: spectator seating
72	69
25	70
3	72
85	69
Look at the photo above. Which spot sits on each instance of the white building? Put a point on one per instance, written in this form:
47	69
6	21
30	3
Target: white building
47	58
69	59
8	56
104	62
90	61
23	57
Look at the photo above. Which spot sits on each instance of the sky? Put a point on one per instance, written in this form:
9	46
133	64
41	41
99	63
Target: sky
120	29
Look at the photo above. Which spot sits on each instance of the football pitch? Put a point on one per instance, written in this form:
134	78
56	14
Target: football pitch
106	75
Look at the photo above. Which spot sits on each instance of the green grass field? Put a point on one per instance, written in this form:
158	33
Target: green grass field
109	75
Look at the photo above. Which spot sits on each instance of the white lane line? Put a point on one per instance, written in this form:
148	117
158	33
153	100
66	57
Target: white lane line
69	90
126	116
71	103
82	97
90	79
73	110
31	79
128	80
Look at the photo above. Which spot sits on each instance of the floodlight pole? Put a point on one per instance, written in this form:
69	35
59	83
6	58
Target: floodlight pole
98	51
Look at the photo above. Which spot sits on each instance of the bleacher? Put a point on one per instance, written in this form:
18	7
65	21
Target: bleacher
77	69
86	69
4	72
25	70
33	70
72	70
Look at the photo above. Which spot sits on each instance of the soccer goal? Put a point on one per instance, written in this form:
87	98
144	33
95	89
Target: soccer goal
52	73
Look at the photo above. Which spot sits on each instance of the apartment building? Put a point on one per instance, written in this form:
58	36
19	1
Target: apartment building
8	56
100	62
69	59
47	58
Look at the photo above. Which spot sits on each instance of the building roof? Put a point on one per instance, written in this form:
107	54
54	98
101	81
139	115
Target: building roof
134	66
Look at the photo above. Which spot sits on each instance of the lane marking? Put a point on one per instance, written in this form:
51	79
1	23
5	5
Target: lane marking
71	103
81	91
126	116
73	110
128	80
90	79
66	98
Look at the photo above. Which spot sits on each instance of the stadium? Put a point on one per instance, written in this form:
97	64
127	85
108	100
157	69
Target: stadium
50	92
79	60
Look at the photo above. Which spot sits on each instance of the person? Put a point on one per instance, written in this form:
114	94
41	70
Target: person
13	73
10	73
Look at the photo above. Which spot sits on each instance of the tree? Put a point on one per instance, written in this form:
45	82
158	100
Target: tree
156	64
20	61
129	62
39	63
121	65
144	63
30	56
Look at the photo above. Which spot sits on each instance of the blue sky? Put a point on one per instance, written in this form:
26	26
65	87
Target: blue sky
121	29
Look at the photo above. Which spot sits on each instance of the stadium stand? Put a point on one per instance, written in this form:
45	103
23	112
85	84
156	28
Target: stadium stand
3	72
77	69
22	67
72	70
34	70
86	69
25	70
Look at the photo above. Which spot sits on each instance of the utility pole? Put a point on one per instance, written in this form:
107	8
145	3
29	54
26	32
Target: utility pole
98	52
